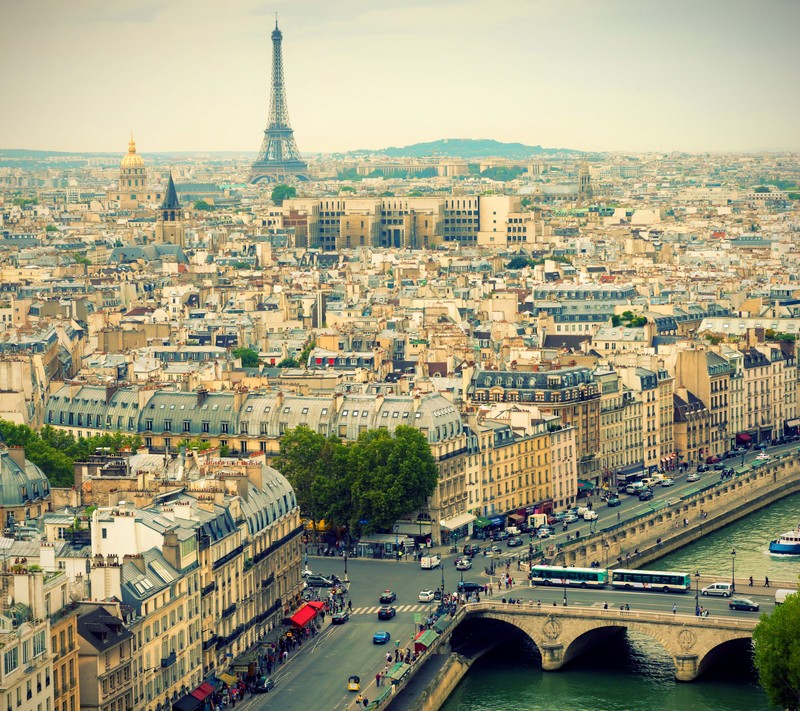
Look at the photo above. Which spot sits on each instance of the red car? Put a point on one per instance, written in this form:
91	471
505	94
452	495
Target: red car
713	459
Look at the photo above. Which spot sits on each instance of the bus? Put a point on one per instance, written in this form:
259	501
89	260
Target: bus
656	580
557	575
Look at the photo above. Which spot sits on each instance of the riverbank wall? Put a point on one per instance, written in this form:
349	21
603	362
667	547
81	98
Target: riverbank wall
675	523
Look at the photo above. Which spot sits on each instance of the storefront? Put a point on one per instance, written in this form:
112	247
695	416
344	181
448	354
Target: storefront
634	472
457	528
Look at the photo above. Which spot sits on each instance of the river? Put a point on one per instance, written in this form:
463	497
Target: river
633	673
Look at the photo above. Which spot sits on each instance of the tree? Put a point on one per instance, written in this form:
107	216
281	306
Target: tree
248	355
195	443
288	363
282	192
202	205
51	228
518	263
777	653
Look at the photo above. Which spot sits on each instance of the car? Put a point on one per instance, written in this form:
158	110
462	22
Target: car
739	451
306	572
381	638
571	517
471	550
713	459
339	618
743	603
559	515
693	477
263	685
466	586
667	482
500	535
582	510
552	520
761	446
318	581
718	589
543	533
426	596
613	501
719	466
728	471
645	495
763	456
437	595
386	612
514	542
463	564
703	468
590	515
354	683
387	597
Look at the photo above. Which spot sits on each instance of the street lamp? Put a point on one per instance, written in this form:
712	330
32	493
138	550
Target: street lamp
733	570
565	589
607	546
345	566
697	593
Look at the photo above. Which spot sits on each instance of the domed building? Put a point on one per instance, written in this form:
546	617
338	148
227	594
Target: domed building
132	191
24	489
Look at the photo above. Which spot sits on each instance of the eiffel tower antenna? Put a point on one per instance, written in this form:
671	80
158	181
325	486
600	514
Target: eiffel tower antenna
279	156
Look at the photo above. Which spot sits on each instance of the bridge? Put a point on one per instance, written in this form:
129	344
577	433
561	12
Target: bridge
563	633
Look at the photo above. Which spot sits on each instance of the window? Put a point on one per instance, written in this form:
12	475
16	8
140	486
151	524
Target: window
187	425
104	532
205	427
10	660
167	425
243	428
224	428
148	425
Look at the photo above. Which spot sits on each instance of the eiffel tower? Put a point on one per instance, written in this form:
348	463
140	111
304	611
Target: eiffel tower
279	156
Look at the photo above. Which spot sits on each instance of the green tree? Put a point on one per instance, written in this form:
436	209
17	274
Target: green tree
777	653
347	189
307	348
51	228
248	355
518	263
196	443
203	206
288	363
283	192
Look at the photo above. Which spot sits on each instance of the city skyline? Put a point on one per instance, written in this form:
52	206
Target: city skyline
594	76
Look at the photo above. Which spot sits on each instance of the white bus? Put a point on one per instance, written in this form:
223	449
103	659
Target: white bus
557	575
658	581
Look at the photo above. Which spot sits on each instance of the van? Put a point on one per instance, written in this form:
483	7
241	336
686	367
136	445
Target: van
536	520
781	595
513	530
721	589
429	562
635	487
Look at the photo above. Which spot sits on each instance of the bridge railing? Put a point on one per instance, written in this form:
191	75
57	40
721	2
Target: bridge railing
611	612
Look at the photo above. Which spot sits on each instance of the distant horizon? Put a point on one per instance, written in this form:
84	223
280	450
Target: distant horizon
598	76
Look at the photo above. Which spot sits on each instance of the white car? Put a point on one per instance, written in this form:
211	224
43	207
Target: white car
763	456
543	533
463	564
590	515
667	482
693	477
425	596
306	572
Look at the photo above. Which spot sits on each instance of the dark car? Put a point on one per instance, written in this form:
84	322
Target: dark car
500	536
386	612
514	542
318	581
743	603
466	586
471	550
645	495
761	445
387	597
614	501
339	618
713	459
718	466
437	595
263	685
703	468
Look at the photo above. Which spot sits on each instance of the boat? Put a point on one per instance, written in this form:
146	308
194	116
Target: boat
787	544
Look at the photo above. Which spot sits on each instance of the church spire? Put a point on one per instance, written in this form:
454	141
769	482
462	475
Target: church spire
170	196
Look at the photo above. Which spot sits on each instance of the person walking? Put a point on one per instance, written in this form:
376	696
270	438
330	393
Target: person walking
751	581
766	581
674	609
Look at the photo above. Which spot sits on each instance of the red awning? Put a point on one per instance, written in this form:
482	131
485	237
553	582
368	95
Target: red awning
303	616
316	604
744	437
203	691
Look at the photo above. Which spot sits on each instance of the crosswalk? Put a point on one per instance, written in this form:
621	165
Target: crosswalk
400	608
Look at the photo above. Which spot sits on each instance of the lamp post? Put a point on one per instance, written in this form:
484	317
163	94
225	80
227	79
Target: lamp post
697	593
733	570
607	545
565	590
345	566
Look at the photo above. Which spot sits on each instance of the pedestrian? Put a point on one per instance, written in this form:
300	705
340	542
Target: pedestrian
766	581
605	605
349	605
378	679
751	581
674	609
618	516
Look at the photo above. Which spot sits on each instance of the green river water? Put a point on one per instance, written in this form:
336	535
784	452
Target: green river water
633	672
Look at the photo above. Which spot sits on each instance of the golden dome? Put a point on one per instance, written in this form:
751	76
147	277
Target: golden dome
133	159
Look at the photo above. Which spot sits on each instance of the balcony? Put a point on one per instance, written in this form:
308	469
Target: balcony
208	589
227	558
269	580
228	611
168	661
209	643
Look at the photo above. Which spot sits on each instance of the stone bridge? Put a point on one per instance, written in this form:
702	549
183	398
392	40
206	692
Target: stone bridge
562	633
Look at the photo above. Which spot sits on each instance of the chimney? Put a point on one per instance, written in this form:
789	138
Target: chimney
171	549
239	396
255	475
137	560
202	394
18	455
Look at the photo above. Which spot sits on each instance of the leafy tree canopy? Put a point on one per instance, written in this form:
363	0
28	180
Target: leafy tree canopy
283	192
248	355
777	653
288	363
202	205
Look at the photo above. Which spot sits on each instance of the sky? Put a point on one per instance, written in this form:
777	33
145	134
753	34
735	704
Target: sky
593	75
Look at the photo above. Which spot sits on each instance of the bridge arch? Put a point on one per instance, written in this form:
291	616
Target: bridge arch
562	634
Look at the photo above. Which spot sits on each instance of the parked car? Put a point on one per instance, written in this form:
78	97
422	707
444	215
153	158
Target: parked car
669	481
761	446
263	685
339	618
318	581
464	564
552	520
514	542
386	612
645	495
387	597
306	572
381	638
743	603
425	596
720	589
693	477
466	586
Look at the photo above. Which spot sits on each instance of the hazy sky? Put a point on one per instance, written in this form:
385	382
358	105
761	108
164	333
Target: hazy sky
602	75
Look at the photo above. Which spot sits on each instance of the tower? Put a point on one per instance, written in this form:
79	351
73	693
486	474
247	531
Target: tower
169	225
279	155
585	192
132	191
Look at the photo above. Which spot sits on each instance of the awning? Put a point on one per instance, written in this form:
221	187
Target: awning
229	679
303	616
793	423
482	522
426	638
316	604
452	524
187	703
497	520
631	469
418	528
203	691
743	437
398	671
583	484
